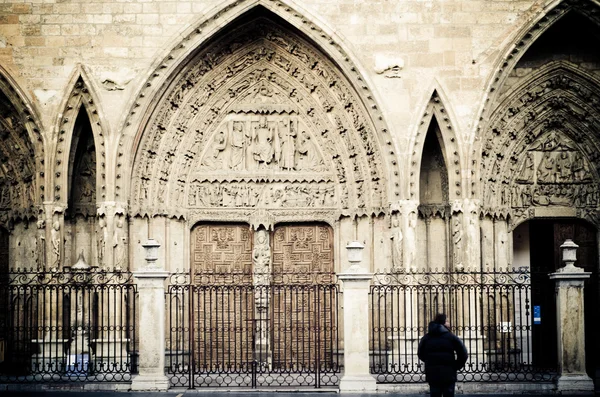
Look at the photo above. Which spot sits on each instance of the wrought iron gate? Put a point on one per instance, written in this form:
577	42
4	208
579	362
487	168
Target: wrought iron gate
68	326
490	311
218	338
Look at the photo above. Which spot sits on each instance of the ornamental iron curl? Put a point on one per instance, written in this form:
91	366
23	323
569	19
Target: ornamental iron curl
93	276
513	276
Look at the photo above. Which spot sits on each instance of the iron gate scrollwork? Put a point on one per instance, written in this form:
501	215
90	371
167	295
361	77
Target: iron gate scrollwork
490	311
68	326
218	338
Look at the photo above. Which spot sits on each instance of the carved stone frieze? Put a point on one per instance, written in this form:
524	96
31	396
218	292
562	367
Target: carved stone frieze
508	63
541	147
17	156
252	112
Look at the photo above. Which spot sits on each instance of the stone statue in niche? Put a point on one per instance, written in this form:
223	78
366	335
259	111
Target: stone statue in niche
41	244
101	242
261	254
411	241
263	150
457	244
4	193
308	158
119	244
286	152
396	239
580	168
56	245
238	145
213	160
32	251
527	169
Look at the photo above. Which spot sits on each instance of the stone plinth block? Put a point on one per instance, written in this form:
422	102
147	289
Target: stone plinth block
357	376
571	330
151	287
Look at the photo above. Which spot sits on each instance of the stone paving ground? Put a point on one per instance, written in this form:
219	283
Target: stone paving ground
240	393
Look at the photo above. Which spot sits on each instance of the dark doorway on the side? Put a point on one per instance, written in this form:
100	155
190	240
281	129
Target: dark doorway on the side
546	237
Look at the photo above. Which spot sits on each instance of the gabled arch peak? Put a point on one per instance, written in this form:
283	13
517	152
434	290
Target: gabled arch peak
198	37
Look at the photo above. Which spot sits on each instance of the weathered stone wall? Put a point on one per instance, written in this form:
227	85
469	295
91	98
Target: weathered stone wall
450	45
409	61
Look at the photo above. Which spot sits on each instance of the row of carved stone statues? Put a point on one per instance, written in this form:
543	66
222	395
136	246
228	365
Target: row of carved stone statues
576	195
274	143
286	195
31	246
554	167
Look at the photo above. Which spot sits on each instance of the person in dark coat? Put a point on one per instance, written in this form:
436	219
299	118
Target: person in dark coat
443	354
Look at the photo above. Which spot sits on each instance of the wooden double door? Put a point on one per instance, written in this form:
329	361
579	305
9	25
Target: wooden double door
286	321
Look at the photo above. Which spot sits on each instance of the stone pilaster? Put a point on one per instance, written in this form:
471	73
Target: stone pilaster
570	325
151	287
356	281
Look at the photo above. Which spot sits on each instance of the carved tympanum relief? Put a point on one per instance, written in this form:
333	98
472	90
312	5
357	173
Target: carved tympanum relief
17	168
542	145
258	119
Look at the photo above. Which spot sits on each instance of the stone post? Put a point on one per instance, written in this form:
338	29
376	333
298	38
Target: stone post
570	323
151	287
356	281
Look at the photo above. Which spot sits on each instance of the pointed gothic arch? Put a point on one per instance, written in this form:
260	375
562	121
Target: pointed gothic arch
261	105
544	143
510	57
199	36
436	110
80	94
22	154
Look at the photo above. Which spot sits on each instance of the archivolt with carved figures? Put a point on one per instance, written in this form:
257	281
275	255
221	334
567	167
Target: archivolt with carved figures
542	146
259	119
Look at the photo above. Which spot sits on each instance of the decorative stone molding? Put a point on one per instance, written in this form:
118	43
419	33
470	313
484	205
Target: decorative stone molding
509	60
541	146
21	152
448	143
369	123
81	94
259	120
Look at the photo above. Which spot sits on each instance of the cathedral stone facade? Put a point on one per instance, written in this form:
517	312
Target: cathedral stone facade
444	135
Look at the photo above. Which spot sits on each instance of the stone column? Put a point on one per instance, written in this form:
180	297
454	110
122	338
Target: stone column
356	281
151	287
570	323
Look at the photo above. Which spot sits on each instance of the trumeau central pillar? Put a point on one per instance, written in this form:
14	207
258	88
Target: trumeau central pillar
261	280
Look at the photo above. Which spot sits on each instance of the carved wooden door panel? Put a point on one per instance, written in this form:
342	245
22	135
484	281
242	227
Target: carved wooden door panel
224	306
303	304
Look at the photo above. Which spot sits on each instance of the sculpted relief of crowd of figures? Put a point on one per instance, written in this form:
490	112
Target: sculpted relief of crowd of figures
264	109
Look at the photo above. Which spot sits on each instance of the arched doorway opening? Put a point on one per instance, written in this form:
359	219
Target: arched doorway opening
536	245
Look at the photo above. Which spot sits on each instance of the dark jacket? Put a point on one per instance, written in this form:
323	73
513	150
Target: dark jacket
437	349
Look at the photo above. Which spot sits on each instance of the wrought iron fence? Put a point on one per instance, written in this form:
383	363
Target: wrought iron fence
243	330
67	326
491	312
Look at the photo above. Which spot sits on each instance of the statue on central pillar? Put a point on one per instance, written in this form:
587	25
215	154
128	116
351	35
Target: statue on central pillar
261	261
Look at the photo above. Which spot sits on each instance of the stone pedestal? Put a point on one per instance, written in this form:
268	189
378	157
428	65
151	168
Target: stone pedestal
357	376
403	353
152	331
51	356
111	353
571	331
151	288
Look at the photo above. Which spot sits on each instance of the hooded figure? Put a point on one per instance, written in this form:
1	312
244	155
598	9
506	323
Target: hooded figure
444	354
